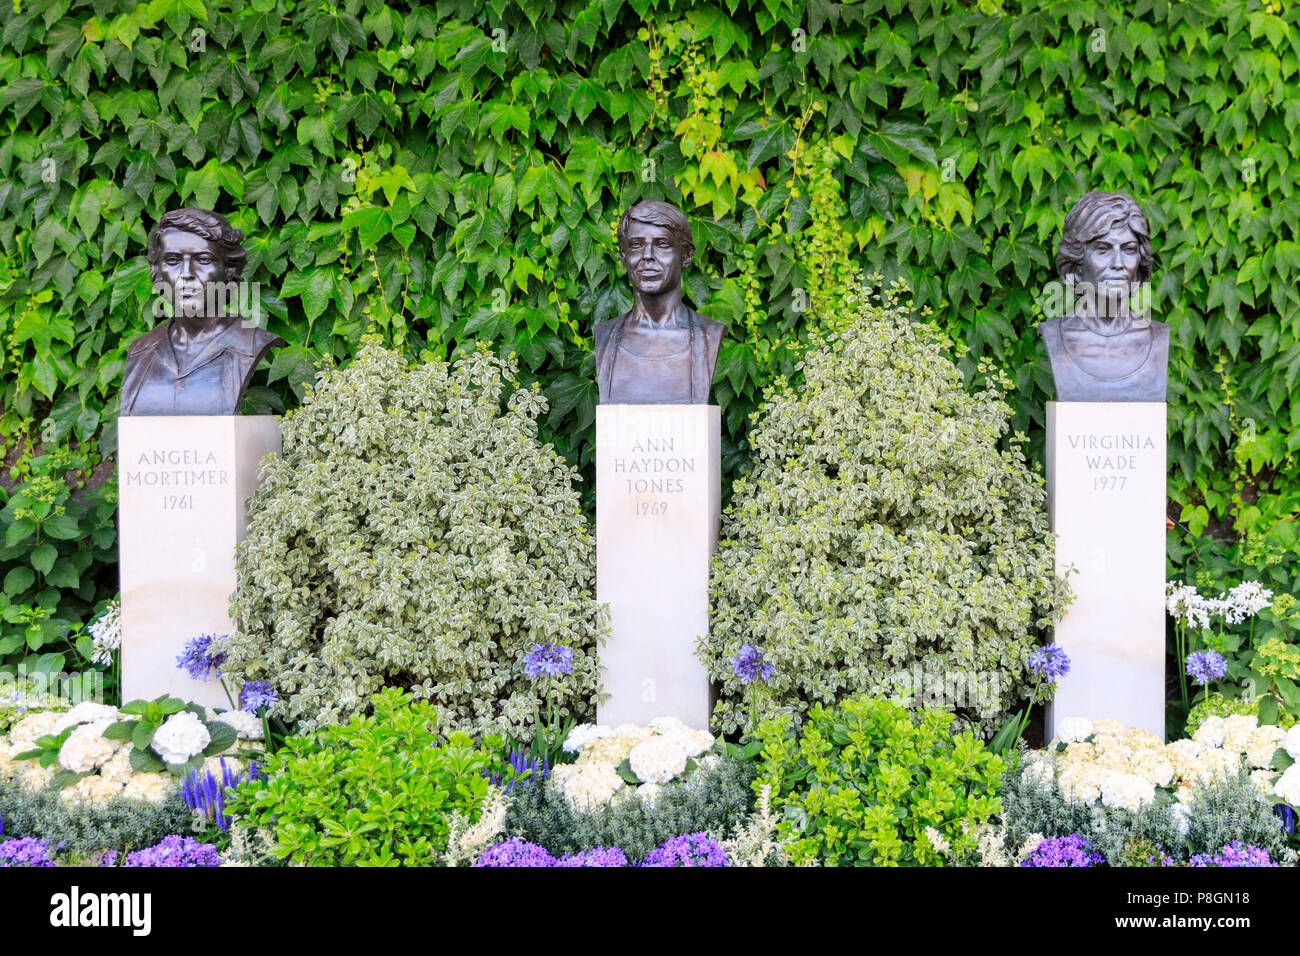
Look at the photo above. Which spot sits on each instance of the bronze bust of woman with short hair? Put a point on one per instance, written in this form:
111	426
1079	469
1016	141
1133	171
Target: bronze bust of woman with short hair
1105	351
200	361
661	352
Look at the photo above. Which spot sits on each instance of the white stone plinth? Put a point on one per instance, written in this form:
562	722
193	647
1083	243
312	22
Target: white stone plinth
1106	497
182	486
658	507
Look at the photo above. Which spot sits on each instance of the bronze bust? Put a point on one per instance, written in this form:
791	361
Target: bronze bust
661	352
200	361
1104	350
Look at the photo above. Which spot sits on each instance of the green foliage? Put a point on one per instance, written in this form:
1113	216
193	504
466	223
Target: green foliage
88	828
870	783
412	167
377	791
884	535
57	539
1226	809
415	533
714	800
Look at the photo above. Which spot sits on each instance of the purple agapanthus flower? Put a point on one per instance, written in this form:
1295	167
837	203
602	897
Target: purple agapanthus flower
1205	666
1235	853
548	660
256	695
693	849
28	851
203	656
749	665
600	856
1072	850
516	852
1050	662
175	851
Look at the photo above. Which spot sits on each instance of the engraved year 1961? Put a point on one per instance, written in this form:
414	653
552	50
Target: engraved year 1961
654	508
178	502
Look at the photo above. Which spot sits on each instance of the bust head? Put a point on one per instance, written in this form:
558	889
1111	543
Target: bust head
191	251
654	245
1105	251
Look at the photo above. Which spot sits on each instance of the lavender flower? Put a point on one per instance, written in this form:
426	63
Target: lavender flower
204	794
1072	850
203	656
693	849
600	856
28	851
256	695
749	665
1050	662
1235	853
516	852
522	768
548	660
175	851
1205	666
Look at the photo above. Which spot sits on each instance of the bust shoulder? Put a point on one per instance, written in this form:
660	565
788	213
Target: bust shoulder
149	341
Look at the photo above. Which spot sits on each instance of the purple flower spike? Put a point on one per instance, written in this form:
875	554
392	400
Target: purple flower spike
1050	662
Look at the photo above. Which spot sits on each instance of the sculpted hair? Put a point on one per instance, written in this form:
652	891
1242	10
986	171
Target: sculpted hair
663	214
1092	217
211	226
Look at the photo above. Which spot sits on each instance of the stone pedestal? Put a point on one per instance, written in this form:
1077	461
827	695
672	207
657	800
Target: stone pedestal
182	486
1106	497
658	507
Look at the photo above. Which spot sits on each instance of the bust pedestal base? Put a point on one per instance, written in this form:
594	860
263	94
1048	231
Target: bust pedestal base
658	507
182	486
1106	498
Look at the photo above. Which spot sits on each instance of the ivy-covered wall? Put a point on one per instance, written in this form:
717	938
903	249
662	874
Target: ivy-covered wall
452	172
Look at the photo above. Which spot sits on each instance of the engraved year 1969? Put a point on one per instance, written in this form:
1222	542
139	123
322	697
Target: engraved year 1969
651	508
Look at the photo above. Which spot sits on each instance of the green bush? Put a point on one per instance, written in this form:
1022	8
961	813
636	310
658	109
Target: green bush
380	790
715	800
56	539
415	534
86	829
870	783
885	539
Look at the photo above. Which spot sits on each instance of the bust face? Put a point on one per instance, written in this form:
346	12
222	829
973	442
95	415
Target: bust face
186	265
1109	266
652	258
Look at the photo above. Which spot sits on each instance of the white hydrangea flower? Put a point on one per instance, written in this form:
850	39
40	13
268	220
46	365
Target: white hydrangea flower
93	789
1264	743
1263	780
587	787
247	726
118	767
1238	730
1182	817
668	726
23	735
1126	791
83	712
1072	729
694	742
1213	764
633	731
657	760
1210	733
1080	783
582	735
151	787
181	737
1288	785
86	748
1292	742
1152	766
